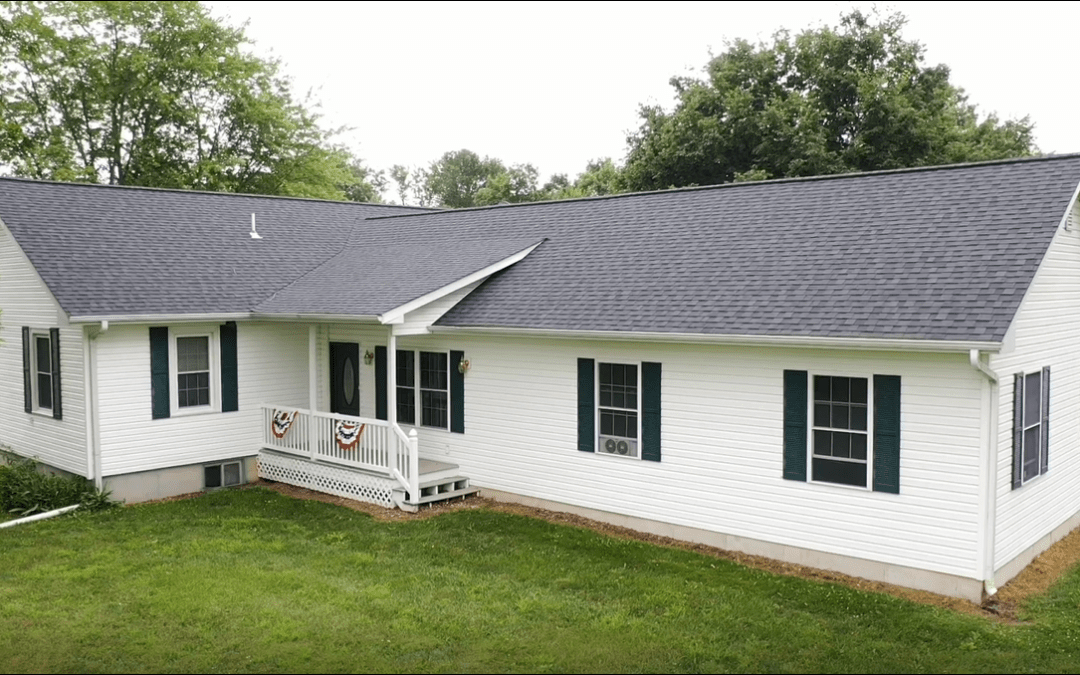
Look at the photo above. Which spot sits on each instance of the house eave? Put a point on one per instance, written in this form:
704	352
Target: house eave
859	343
160	318
224	316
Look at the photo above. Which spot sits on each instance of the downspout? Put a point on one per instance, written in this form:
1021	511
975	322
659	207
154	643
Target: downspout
988	487
90	408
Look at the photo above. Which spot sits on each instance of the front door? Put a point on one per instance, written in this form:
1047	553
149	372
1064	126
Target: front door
345	378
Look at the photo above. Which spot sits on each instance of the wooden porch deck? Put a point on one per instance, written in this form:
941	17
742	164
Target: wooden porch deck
438	481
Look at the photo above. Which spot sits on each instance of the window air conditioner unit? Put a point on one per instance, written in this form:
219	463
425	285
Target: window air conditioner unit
613	445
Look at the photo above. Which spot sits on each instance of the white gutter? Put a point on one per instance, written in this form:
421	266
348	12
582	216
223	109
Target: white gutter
320	318
232	316
158	318
39	516
988	484
898	344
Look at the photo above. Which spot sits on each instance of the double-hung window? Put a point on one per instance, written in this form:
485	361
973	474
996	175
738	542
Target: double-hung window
840	444
425	388
618	405
843	430
1031	425
43	369
193	371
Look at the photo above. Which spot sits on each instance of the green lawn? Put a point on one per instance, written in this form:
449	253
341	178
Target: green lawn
249	580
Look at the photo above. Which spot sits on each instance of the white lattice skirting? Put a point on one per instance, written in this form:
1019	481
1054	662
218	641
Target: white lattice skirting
332	480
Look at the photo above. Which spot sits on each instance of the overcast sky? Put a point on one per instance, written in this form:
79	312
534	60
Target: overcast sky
557	84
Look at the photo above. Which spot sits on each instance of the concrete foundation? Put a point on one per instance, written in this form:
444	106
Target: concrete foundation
158	484
1017	564
924	580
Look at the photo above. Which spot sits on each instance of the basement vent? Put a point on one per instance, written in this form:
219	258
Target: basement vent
222	475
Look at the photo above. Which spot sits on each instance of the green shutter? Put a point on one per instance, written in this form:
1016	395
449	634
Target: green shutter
54	346
230	396
159	371
887	433
795	392
380	383
586	403
650	418
457	393
1018	431
1044	459
28	388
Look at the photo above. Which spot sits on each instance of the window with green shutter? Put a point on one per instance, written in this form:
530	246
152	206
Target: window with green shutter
842	429
619	409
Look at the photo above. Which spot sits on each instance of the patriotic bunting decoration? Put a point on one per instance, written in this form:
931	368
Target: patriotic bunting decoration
281	421
348	434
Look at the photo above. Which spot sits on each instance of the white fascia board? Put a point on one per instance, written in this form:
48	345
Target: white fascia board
1064	224
323	318
161	318
876	344
227	316
396	314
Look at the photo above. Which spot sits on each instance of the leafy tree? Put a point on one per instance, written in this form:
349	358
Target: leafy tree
402	178
857	97
461	179
157	94
601	177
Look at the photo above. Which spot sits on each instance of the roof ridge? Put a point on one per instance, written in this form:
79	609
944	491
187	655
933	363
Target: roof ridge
187	191
771	181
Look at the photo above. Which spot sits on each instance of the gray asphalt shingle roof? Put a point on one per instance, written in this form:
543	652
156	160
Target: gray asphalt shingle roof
941	253
113	250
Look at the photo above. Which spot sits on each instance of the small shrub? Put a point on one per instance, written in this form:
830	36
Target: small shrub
24	490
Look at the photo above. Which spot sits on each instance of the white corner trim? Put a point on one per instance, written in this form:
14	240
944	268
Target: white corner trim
876	344
396	314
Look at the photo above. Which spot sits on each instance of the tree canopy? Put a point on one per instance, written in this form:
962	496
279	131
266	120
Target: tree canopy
157	94
856	97
461	178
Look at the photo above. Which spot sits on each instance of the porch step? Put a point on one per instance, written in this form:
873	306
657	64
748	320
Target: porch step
443	489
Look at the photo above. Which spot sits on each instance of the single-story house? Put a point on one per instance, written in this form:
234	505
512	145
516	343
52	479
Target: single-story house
875	373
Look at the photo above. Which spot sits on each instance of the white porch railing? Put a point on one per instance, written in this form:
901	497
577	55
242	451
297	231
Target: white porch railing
369	444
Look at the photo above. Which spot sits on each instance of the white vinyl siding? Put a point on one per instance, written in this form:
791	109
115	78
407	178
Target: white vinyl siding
1045	332
418	320
722	436
272	362
26	301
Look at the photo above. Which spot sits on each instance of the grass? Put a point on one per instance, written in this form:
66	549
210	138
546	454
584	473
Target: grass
249	580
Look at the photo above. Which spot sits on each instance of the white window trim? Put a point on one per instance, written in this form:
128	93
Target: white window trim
596	407
810	426
418	397
34	389
211	332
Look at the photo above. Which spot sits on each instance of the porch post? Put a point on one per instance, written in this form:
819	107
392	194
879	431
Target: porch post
391	378
313	387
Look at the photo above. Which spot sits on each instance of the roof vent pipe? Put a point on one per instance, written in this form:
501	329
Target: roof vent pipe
254	234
